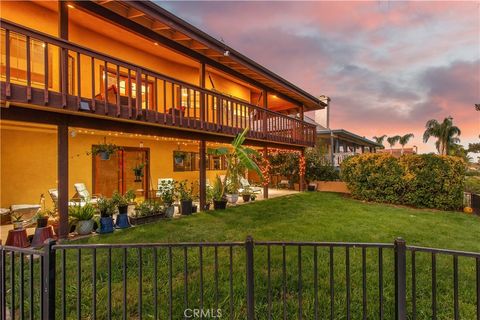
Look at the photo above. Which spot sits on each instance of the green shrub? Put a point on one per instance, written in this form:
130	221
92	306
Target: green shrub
317	168
472	184
425	181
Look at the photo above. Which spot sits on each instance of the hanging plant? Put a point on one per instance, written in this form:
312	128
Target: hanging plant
138	171
104	150
179	157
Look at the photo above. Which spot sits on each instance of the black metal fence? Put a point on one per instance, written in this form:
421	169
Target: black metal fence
239	280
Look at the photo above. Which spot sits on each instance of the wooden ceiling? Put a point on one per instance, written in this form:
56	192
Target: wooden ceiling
179	31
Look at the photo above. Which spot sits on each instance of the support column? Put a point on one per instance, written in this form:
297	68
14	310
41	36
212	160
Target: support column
203	175
302	176
62	176
332	151
265	186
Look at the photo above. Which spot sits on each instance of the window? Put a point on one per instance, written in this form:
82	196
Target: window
190	161
18	60
124	86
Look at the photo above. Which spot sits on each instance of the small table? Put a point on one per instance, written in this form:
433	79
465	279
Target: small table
42	234
17	238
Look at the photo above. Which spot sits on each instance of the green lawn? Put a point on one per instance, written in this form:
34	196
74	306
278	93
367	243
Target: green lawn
313	217
301	217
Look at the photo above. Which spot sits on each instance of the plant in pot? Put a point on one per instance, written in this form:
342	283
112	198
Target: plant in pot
104	150
42	217
147	211
121	202
184	194
138	172
208	197
130	196
246	194
167	195
239	158
107	209
17	220
218	195
83	217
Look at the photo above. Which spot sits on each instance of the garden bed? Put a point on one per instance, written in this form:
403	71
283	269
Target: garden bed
147	219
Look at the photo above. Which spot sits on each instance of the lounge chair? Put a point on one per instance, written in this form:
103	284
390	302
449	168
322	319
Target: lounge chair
54	195
246	185
83	195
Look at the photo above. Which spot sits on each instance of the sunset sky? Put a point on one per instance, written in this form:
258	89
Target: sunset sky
387	66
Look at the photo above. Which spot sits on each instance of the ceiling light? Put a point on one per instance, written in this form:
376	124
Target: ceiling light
70	6
155	43
226	53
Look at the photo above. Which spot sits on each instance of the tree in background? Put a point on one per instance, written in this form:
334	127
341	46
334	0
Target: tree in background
404	139
445	132
392	141
380	139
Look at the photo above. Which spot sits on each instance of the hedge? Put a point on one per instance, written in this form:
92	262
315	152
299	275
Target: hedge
424	181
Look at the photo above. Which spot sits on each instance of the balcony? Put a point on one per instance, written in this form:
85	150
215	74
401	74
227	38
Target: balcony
38	69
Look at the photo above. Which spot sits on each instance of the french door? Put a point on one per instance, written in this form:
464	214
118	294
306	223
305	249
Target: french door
117	173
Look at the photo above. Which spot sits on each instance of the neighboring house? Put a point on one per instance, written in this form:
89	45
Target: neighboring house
79	73
397	152
341	143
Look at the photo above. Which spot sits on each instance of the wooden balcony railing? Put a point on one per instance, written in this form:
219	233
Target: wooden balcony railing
48	71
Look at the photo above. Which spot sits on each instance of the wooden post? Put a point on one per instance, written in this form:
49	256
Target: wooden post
202	95
265	106
302	176
203	175
265	187
62	177
63	34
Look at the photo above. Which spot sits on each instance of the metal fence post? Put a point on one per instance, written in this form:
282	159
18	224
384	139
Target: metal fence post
400	279
250	278
49	264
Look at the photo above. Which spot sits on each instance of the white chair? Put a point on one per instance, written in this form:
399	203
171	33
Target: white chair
84	195
246	185
54	195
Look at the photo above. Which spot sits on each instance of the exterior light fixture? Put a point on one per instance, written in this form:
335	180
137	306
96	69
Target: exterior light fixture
226	53
155	43
71	6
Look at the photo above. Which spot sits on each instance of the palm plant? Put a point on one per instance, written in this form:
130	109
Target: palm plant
392	141
238	158
380	139
404	139
445	132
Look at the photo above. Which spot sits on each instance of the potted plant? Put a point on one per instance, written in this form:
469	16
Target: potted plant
83	216
42	217
239	158
17	220
147	211
106	208
121	202
167	195
208	197
246	194
138	172
218	195
104	150
130	196
185	197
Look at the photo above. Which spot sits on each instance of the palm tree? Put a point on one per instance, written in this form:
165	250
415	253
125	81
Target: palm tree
404	139
392	141
380	139
445	132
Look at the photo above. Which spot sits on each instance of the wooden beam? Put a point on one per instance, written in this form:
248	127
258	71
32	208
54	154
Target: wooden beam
180	36
63	20
198	46
157	26
134	13
62	177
